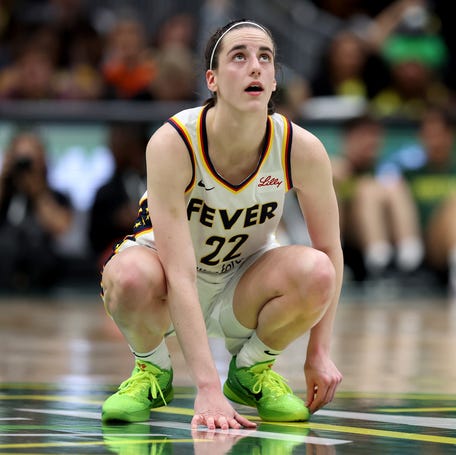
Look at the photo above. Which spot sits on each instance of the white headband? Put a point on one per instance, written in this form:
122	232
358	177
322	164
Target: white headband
228	30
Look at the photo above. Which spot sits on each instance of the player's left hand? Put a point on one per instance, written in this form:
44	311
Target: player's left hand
322	379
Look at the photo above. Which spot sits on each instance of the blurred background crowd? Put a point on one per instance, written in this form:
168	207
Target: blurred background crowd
84	83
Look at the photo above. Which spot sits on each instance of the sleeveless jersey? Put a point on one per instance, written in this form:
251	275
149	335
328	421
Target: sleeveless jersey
229	223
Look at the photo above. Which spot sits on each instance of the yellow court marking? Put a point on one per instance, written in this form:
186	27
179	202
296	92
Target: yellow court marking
403	396
173	410
398	410
371	432
386	433
335	428
311	425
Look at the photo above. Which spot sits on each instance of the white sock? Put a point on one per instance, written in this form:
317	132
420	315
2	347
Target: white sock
378	256
410	253
255	351
158	356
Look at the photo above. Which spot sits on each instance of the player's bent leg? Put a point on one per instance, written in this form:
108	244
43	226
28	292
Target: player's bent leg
281	296
134	293
135	296
285	293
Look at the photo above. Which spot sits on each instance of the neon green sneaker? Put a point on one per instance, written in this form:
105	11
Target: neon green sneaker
266	390
148	387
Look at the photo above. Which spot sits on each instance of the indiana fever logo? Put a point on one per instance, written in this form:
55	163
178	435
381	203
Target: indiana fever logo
248	216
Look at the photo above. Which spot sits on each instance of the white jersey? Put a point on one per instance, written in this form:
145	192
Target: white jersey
229	223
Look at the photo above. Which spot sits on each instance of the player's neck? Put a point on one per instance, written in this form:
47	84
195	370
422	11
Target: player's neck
241	132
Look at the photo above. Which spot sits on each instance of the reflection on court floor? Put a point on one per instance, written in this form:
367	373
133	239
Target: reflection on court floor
56	419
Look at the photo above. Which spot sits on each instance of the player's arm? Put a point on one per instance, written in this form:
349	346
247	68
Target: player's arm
169	172
313	181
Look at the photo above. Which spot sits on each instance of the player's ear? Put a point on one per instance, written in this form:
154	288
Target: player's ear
211	80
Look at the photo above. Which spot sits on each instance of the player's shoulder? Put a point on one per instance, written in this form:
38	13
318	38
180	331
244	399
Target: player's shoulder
306	142
176	126
187	116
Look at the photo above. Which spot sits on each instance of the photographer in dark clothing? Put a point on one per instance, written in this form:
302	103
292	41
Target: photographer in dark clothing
115	206
32	218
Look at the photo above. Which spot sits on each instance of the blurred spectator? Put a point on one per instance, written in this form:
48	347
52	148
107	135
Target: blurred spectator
115	206
70	21
292	93
33	216
129	65
347	69
176	78
177	31
52	51
430	169
373	21
416	55
31	76
379	223
79	82
352	70
177	70
80	56
5	15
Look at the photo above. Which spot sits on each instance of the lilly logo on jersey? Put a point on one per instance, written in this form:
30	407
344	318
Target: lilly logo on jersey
269	180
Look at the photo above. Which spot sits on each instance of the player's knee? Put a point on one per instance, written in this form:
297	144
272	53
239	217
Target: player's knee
128	279
130	282
316	280
323	276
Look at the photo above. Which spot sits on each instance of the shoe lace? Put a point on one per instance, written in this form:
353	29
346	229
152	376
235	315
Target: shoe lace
139	384
267	379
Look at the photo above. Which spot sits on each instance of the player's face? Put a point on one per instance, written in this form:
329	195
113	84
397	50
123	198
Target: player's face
245	75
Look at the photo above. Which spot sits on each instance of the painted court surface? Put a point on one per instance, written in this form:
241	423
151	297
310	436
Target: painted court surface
61	357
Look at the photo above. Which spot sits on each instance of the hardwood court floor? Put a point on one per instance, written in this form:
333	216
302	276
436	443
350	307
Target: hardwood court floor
62	356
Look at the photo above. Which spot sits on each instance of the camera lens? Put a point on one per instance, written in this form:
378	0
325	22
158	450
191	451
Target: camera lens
22	164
